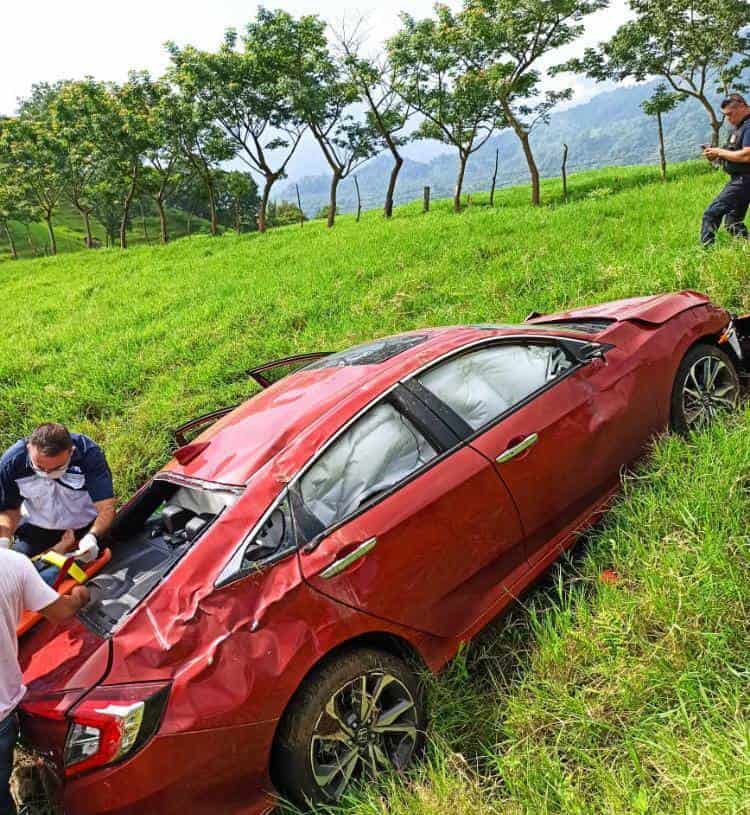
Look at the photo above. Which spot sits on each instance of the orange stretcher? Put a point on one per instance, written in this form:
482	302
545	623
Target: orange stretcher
71	574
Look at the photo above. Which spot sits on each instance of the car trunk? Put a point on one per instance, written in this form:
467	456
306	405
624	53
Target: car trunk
61	663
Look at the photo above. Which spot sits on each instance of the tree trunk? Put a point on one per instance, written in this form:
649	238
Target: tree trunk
163	234
51	233
126	209
662	158
13	250
332	203
359	199
30	240
533	171
565	173
143	223
237	219
211	202
494	177
459	182
270	181
397	164
84	212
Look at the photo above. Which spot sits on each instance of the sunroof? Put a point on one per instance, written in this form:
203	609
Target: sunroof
370	353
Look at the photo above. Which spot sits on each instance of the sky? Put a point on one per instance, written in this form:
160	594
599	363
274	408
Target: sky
80	37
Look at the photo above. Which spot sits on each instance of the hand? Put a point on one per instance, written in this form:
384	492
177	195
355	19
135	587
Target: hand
81	595
88	548
66	542
711	153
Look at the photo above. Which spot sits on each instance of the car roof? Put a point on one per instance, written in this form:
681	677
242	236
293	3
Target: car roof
304	408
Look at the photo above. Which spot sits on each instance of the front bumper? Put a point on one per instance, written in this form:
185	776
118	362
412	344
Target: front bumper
223	770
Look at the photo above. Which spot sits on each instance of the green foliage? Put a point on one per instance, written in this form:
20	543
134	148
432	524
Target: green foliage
661	101
690	43
285	213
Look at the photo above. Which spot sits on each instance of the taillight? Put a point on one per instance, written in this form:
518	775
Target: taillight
112	722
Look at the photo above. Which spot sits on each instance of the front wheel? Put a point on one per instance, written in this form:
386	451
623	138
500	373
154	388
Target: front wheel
706	384
359	715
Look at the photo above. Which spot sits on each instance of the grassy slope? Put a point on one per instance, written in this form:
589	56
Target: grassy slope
69	232
588	697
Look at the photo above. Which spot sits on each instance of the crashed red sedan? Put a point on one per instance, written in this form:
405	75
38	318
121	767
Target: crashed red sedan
272	591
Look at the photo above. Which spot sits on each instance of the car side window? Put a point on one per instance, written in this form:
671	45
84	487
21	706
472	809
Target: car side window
274	538
373	455
481	385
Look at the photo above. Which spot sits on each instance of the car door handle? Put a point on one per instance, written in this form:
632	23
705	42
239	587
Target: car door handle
343	562
517	448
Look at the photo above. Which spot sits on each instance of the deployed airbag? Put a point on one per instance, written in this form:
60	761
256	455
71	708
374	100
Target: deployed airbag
377	452
481	385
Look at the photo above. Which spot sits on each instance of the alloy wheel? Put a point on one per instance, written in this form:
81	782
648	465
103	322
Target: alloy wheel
367	726
709	388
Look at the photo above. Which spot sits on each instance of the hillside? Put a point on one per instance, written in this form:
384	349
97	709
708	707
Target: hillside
70	235
588	697
610	129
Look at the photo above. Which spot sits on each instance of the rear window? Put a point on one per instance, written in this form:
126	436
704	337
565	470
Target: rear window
147	540
370	353
584	326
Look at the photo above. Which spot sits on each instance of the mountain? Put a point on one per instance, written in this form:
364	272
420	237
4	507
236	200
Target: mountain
609	129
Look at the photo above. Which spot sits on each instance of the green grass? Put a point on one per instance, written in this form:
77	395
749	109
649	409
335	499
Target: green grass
70	235
587	698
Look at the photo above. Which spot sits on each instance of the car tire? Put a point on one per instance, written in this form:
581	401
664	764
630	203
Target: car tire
328	740
706	383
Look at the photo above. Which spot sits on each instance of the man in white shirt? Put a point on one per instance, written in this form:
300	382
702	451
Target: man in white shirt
21	587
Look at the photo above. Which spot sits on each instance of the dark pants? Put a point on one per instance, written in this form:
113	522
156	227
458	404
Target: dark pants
730	205
8	736
33	540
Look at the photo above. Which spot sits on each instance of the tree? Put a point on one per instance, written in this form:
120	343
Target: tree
435	68
324	94
661	102
512	37
692	44
202	142
237	199
163	156
285	213
248	91
387	112
33	161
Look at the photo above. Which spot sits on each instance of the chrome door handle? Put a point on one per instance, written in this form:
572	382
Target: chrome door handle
512	452
342	563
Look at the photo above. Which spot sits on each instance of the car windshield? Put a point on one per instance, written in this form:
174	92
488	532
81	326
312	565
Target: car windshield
148	539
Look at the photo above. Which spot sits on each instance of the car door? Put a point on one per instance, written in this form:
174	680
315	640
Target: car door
531	407
400	520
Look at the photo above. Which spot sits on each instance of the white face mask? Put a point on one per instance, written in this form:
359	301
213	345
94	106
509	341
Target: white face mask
58	472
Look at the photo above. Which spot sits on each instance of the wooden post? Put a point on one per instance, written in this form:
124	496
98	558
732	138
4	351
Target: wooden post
494	178
565	173
359	198
299	207
426	201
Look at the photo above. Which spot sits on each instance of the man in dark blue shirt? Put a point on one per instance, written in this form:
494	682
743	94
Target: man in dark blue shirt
55	492
732	202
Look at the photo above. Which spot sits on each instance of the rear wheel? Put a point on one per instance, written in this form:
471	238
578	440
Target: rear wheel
359	715
706	384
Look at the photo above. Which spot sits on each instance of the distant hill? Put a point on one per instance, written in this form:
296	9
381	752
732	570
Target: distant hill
610	129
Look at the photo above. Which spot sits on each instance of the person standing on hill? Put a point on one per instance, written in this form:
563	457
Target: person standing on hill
732	202
56	493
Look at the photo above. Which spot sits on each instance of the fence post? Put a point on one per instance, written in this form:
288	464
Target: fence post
565	173
426	202
359	198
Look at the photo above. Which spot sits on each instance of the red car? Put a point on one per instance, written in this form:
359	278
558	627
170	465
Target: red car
273	589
